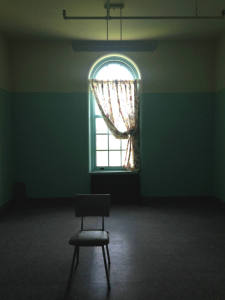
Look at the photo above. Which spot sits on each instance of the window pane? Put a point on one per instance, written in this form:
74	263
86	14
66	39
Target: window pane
97	110
114	144
100	126
114	158
101	158
124	144
102	142
114	71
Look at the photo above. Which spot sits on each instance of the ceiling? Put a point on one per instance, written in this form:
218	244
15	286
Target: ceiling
43	19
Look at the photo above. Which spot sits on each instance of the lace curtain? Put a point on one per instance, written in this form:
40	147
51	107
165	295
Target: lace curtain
118	101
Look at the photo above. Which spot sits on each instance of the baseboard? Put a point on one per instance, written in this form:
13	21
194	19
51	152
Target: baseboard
5	208
49	202
222	202
198	201
182	201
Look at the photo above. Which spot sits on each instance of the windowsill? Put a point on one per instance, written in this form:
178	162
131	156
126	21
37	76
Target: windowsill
113	172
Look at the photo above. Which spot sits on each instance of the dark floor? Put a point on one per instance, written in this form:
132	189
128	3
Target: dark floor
157	253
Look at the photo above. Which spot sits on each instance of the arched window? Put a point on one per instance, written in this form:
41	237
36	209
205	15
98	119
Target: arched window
112	78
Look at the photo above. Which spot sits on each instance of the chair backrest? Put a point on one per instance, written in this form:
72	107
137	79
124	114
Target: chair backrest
92	205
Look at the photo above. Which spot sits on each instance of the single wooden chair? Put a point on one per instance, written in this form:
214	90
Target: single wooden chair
89	205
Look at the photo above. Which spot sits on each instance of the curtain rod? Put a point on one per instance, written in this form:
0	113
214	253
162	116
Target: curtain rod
108	17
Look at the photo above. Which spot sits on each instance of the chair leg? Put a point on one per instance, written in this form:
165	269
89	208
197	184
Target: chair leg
107	250
73	260
75	255
78	256
106	269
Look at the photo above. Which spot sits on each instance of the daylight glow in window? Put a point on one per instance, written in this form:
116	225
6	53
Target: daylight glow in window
114	71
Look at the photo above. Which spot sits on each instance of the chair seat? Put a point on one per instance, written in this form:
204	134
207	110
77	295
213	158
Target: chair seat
90	238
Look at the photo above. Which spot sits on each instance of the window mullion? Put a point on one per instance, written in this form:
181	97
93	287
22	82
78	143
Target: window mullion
120	152
108	148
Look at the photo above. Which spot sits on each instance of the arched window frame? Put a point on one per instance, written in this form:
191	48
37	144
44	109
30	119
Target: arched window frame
100	63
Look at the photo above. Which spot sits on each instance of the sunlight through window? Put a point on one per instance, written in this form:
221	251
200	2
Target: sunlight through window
114	71
107	151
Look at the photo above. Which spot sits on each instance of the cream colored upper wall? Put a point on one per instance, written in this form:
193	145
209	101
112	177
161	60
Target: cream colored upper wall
175	66
4	64
220	64
178	66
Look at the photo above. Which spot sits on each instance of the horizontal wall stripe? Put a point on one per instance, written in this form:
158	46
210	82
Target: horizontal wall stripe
220	91
5	92
187	93
142	93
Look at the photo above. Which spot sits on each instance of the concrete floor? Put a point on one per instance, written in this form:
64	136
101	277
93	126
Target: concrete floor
156	253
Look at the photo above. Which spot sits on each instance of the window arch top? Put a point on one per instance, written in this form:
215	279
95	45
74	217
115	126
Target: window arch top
114	67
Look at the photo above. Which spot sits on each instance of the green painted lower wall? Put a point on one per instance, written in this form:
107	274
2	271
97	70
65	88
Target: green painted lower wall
219	145
177	144
51	138
6	157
